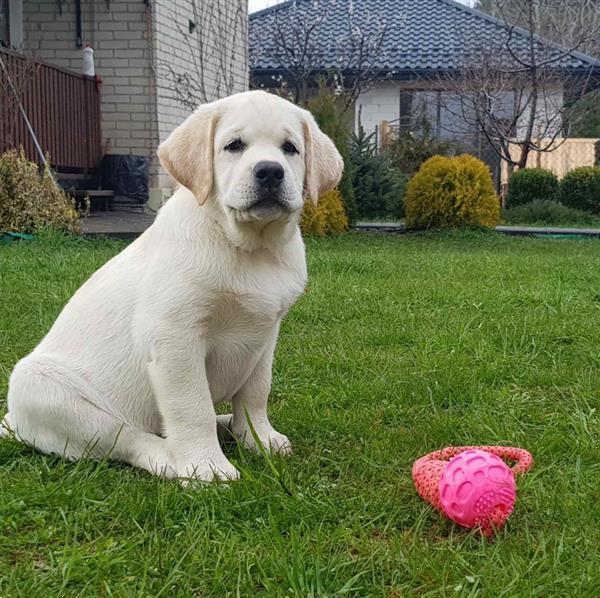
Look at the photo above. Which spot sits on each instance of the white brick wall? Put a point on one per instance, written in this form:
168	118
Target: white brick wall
137	48
119	33
214	54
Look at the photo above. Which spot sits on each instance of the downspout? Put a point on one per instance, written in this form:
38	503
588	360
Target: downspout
78	24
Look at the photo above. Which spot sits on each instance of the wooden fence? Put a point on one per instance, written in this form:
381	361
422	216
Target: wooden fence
63	108
569	154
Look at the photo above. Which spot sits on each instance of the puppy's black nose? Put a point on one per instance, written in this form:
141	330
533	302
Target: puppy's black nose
269	174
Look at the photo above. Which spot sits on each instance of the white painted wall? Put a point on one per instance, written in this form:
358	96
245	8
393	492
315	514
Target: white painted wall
382	102
549	108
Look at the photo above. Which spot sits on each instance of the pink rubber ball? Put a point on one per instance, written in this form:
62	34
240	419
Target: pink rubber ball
477	489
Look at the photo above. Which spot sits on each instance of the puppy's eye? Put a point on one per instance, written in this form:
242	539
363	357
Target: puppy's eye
237	145
289	148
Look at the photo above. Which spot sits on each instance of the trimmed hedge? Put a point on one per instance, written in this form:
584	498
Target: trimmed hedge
327	218
529	184
580	189
452	193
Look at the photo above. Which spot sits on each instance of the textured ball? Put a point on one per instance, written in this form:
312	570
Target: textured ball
477	489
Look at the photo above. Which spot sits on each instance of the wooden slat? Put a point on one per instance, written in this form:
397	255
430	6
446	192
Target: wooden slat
63	108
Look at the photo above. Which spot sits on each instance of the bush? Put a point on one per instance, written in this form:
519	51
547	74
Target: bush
327	218
395	201
409	150
580	189
378	186
585	115
30	202
324	107
549	213
529	184
450	193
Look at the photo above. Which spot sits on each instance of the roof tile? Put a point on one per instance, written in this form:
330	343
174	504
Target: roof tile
419	35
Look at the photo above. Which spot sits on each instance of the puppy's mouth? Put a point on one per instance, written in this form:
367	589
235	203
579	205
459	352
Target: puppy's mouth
266	206
267	201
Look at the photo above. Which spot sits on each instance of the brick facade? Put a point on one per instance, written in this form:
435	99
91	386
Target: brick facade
140	50
217	45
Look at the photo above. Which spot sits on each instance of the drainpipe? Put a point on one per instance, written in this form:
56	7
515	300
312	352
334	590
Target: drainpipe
78	27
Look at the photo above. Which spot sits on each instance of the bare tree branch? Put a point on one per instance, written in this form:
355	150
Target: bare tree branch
216	30
532	77
292	41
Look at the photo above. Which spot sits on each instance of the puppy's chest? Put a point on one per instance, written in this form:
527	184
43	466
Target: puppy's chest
245	316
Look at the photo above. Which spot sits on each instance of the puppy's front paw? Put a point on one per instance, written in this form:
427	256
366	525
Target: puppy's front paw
206	469
272	440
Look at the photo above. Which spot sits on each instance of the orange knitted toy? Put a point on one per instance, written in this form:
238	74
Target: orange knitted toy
470	484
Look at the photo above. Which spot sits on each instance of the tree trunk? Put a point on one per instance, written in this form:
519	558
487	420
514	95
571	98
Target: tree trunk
526	143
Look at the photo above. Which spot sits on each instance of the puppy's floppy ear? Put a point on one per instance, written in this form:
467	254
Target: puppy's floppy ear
323	164
188	153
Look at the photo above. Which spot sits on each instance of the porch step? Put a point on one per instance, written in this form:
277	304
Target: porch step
120	201
72	176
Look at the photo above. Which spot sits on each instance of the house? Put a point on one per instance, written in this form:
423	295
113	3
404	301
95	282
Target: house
153	61
412	50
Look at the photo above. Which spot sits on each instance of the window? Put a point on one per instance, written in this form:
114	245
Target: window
406	105
4	26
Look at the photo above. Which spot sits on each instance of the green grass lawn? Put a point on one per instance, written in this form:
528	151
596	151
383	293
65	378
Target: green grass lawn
403	344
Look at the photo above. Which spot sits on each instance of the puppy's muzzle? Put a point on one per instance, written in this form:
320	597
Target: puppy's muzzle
268	177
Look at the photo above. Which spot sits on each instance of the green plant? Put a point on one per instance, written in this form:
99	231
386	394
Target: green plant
403	344
395	201
580	189
327	218
528	184
378	186
408	150
30	201
451	192
329	116
585	115
548	212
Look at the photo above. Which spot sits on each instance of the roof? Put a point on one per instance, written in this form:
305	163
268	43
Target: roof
420	35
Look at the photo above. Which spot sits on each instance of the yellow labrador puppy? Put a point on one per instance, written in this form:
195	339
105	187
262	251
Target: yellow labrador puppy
188	315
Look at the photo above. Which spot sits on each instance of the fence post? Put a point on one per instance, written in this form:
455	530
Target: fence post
384	134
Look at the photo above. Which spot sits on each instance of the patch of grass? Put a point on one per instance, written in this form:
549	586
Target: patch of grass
542	212
401	346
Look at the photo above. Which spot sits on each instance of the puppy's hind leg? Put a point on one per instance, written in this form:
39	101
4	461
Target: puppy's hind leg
51	413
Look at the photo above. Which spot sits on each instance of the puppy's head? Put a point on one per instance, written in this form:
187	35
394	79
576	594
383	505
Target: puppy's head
258	156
